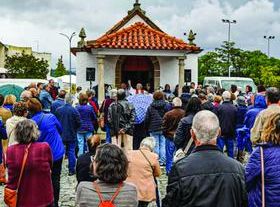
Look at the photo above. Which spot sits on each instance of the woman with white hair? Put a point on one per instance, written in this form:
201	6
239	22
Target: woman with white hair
143	167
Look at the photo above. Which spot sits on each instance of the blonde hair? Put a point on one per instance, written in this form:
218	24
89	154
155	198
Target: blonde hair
10	99
271	129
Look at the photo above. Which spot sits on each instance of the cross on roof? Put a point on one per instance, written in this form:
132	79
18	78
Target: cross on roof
136	1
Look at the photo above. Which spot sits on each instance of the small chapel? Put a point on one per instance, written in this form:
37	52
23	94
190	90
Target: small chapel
135	49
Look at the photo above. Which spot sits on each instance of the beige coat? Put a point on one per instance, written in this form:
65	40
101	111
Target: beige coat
141	174
257	129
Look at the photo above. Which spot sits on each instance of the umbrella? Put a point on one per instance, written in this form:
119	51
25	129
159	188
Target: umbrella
11	89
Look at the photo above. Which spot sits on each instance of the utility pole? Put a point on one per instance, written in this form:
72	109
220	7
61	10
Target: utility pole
70	40
229	22
268	38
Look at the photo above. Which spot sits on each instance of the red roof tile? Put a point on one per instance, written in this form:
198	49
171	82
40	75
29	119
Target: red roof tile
140	36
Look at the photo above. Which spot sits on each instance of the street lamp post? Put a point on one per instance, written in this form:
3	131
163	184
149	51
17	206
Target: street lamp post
268	38
70	40
229	22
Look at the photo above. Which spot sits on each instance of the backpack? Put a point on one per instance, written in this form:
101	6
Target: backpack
107	203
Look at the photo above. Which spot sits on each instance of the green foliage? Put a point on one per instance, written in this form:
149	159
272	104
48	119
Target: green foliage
60	68
253	64
26	66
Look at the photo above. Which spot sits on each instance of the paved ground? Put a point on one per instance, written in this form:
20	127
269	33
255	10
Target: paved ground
68	186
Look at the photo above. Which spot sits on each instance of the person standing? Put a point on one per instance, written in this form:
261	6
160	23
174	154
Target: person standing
60	101
141	102
104	112
227	116
35	188
20	114
170	124
144	162
110	166
272	99
88	117
46	98
70	120
153	123
50	129
4	113
206	177
121	119
10	100
241	111
53	89
3	136
270	152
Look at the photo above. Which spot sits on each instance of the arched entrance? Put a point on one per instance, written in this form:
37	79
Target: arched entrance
138	69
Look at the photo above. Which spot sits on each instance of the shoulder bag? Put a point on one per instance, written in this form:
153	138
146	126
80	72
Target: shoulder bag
262	176
180	153
10	195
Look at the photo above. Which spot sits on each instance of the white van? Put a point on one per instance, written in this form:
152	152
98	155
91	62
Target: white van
226	82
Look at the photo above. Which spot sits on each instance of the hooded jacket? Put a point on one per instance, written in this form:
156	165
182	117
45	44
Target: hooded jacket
252	113
154	116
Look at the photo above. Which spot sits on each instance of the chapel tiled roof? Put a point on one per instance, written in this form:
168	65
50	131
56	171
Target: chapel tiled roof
140	36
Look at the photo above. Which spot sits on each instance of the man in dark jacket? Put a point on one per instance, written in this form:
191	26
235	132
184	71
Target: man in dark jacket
121	120
69	118
170	123
206	177
59	101
227	116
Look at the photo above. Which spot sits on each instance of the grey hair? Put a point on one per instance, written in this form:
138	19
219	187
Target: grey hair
148	142
69	98
26	131
113	93
226	95
177	102
206	126
25	95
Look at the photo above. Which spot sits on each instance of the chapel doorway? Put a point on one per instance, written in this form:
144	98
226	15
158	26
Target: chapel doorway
137	69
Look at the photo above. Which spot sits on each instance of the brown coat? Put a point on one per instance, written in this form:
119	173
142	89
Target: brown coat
141	174
171	120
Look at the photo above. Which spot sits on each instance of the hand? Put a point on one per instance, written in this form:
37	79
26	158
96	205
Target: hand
122	131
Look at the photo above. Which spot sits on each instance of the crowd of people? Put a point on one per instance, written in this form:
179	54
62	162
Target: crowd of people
201	137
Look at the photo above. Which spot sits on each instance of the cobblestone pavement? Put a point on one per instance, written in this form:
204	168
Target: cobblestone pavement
68	186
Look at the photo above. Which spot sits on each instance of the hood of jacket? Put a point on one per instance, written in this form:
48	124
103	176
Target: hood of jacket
158	104
260	102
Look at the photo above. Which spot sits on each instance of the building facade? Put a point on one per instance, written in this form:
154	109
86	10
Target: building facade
135	49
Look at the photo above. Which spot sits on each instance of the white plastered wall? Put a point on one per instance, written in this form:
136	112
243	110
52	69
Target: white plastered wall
109	69
192	63
169	71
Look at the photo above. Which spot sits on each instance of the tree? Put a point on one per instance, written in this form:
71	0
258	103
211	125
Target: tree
26	66
270	76
60	68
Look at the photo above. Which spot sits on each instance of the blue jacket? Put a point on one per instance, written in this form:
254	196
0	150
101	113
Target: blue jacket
87	118
69	118
272	176
50	129
56	104
241	111
46	100
251	114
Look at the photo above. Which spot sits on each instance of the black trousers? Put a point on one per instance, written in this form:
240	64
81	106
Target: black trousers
143	204
139	133
56	171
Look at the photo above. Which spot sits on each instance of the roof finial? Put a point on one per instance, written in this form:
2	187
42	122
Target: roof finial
191	37
137	4
82	35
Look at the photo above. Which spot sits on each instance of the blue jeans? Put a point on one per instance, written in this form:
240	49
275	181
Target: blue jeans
70	152
170	150
82	144
229	142
160	146
108	135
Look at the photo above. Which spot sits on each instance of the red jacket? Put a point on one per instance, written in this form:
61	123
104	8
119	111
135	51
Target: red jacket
36	185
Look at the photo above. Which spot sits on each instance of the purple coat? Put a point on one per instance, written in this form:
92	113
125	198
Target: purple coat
88	116
272	176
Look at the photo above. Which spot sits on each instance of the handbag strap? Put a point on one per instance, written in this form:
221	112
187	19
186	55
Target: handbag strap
147	160
113	197
262	174
23	164
188	146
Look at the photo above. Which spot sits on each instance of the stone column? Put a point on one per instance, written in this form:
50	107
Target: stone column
181	61
100	71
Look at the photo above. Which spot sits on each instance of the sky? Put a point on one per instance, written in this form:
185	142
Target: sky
37	23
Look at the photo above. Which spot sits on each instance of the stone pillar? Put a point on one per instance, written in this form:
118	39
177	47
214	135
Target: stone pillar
100	71
181	61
